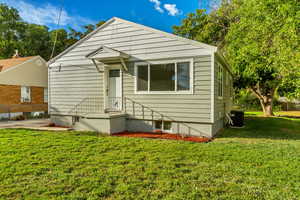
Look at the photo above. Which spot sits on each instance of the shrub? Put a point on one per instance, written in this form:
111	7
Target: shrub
18	118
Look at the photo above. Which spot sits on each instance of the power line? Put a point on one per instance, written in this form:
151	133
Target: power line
56	32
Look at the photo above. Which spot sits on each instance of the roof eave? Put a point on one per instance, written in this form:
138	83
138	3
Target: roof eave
223	60
79	41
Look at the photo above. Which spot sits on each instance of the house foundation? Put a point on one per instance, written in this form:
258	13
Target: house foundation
116	123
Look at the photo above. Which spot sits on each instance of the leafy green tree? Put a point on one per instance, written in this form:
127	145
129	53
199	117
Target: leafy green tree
10	27
35	41
77	35
263	47
260	40
63	40
209	28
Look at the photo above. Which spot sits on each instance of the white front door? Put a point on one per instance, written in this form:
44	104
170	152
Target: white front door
114	90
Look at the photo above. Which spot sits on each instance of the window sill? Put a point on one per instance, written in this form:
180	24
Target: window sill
183	92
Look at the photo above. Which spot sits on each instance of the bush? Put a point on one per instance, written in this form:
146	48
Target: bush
18	118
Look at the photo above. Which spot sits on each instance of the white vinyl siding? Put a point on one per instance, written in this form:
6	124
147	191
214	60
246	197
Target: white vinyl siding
25	94
70	86
142	44
222	104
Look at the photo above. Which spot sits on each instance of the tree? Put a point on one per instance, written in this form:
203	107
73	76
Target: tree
209	28
77	35
263	47
35	40
63	41
260	40
10	27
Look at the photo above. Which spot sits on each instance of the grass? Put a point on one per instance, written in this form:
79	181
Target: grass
260	161
278	113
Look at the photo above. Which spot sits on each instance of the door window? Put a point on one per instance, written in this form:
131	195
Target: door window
114	73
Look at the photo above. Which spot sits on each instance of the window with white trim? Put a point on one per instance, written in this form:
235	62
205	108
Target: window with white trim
25	94
45	95
164	77
163	125
220	80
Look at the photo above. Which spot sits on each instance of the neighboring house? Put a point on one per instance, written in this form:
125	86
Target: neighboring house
289	104
23	86
126	76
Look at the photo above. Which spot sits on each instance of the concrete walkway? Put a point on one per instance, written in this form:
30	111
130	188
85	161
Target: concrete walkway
34	124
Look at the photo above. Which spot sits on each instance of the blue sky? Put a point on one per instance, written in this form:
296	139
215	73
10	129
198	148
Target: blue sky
160	14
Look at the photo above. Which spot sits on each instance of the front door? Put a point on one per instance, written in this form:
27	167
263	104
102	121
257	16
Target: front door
114	90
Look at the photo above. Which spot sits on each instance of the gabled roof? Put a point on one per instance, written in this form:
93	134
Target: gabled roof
106	53
11	62
187	41
26	71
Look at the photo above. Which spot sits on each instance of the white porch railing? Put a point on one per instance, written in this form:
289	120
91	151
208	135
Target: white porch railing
114	103
88	105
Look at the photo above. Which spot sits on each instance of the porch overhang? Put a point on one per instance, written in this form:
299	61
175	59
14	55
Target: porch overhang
106	55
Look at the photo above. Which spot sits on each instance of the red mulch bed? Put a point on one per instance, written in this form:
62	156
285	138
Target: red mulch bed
162	136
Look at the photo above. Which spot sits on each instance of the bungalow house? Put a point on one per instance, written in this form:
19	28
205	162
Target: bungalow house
23	86
126	76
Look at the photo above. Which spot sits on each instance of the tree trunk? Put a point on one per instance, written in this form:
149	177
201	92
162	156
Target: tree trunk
267	106
266	101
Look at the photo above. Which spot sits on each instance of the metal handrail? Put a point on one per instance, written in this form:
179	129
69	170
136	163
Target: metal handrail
86	105
163	117
114	103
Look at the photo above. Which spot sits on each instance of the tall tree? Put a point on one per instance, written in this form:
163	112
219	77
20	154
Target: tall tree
263	47
63	40
10	27
77	35
260	40
35	40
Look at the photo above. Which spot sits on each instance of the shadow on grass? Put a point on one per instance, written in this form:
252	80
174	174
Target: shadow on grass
265	128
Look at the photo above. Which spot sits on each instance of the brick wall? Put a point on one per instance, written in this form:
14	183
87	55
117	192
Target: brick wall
10	94
37	95
10	99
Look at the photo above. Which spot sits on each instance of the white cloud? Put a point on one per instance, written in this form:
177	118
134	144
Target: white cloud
46	14
157	4
172	9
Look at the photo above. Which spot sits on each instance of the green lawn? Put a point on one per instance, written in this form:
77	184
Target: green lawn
278	113
261	161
